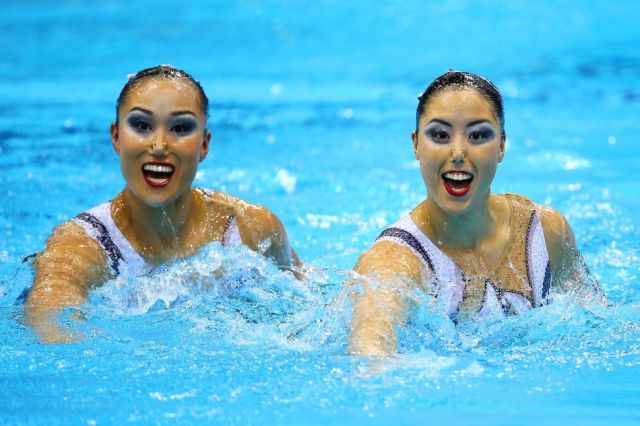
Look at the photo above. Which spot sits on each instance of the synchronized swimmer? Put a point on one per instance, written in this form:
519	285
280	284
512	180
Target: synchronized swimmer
160	134
480	253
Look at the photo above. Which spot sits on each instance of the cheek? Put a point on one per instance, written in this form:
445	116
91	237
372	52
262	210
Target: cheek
432	157
488	161
130	143
190	150
430	164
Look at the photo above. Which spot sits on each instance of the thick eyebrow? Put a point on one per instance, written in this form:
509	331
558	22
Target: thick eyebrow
182	113
437	120
146	111
473	123
174	114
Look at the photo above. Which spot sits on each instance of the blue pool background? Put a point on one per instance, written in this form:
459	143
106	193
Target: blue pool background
312	106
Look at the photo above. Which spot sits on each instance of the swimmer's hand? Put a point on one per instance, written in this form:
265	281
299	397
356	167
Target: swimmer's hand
71	263
45	322
379	292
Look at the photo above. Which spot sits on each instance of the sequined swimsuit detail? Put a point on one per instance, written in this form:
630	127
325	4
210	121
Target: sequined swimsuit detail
123	260
520	281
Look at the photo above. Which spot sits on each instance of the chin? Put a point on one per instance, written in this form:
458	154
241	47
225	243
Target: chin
456	211
156	200
156	204
455	207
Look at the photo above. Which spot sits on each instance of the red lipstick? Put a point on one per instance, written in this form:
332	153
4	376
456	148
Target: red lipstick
157	174
457	182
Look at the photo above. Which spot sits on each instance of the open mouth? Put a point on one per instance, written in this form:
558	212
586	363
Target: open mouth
457	183
157	174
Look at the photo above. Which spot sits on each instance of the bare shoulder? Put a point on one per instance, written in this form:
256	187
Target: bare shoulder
70	234
569	270
392	263
560	242
70	264
260	230
559	239
220	204
557	232
553	222
245	213
255	221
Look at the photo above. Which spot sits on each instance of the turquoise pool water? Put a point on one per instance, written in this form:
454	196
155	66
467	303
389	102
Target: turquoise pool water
312	106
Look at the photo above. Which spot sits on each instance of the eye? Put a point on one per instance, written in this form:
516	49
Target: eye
139	124
438	135
481	135
184	127
476	136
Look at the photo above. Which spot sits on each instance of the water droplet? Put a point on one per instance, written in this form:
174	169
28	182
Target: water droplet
276	89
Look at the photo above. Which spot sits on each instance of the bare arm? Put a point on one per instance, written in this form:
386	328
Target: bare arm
386	272
263	232
70	264
569	271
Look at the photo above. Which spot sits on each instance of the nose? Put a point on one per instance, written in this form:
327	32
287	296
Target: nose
457	151
158	145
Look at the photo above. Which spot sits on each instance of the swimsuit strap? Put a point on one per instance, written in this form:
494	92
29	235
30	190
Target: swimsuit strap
447	280
231	235
100	232
99	224
407	239
537	261
450	280
406	233
536	257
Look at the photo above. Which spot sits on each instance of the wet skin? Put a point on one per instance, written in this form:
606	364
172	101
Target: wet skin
160	137
459	132
162	124
459	144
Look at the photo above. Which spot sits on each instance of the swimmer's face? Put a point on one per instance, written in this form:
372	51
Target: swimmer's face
459	144
160	137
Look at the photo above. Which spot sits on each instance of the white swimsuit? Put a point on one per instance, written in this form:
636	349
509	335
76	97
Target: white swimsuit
522	290
123	259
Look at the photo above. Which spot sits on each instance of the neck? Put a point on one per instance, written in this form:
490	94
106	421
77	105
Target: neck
160	227
464	230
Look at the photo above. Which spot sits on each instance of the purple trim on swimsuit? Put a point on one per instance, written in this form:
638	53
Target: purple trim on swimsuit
105	240
527	250
546	284
410	240
226	228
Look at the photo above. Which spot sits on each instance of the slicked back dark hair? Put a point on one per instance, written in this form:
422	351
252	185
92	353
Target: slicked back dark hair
162	71
462	80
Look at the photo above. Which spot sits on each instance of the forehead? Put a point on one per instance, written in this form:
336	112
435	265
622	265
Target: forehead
161	92
459	103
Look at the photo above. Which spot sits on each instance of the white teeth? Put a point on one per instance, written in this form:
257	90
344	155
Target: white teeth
458	175
159	168
156	180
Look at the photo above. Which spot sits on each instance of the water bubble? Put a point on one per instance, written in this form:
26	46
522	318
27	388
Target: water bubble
276	89
346	113
287	180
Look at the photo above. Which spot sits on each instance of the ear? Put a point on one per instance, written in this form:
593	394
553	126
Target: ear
114	138
204	149
414	138
503	140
